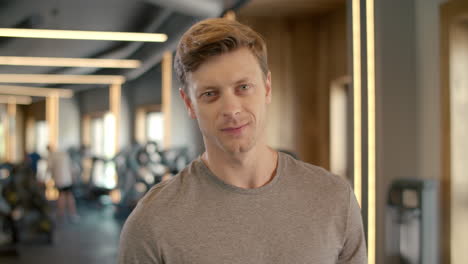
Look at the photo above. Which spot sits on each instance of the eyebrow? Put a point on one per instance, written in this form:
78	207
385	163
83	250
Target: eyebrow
205	88
242	80
214	87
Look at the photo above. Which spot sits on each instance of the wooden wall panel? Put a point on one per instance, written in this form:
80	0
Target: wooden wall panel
305	55
305	67
281	112
31	113
36	110
332	65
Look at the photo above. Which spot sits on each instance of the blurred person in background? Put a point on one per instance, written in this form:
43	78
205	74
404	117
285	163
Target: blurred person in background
59	166
34	159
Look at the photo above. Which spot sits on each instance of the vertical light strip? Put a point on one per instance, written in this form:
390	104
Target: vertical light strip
11	131
371	182
115	98
357	100
30	134
140	126
81	34
52	108
166	96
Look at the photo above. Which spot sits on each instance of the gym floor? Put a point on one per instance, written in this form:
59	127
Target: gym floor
93	239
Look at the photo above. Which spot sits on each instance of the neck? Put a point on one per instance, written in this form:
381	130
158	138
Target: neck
248	170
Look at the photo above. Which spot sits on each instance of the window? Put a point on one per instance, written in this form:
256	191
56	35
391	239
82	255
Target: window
103	136
340	129
102	145
42	138
155	127
149	124
97	132
2	141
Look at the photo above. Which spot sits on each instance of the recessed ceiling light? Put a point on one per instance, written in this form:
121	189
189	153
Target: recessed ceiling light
81	34
61	79
35	91
68	62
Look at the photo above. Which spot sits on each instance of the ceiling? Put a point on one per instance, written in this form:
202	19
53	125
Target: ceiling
289	7
171	17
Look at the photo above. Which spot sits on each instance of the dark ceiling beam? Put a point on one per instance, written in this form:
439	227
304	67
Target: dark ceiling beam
199	8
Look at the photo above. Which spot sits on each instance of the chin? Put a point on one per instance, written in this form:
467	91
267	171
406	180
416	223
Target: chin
239	148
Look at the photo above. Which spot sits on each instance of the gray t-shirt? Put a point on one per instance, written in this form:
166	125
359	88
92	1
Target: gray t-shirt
303	215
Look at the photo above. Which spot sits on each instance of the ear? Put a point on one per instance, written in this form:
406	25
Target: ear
188	103
268	87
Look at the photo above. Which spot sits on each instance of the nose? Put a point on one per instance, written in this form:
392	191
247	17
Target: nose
231	105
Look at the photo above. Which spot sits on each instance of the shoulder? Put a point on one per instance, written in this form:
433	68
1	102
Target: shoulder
163	198
316	183
311	174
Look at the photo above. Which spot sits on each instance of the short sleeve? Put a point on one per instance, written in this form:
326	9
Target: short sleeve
137	243
354	247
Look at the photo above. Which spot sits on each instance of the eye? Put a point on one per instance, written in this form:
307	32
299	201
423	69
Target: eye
244	87
208	94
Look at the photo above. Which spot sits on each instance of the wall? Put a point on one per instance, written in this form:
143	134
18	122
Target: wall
428	34
396	104
281	112
408	86
93	100
428	83
146	89
305	55
329	61
69	124
36	110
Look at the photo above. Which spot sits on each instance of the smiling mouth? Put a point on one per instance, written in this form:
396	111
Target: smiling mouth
234	129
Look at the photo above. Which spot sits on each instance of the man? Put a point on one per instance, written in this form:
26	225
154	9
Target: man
240	201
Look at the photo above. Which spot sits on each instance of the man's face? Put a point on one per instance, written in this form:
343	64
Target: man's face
228	95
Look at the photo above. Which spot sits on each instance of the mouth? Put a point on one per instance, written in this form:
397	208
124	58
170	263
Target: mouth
234	130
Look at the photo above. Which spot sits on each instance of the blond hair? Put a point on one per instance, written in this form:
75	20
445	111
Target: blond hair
213	37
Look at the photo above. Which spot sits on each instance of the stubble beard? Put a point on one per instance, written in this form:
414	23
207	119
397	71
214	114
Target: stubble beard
238	146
